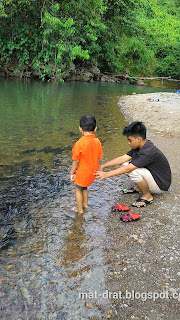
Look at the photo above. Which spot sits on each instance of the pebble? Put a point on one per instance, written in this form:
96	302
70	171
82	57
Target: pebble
2	294
124	306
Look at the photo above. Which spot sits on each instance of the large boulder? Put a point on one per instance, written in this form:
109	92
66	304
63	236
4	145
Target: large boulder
86	76
96	73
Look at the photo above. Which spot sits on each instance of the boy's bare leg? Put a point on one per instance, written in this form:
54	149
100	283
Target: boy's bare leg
85	198
79	200
143	187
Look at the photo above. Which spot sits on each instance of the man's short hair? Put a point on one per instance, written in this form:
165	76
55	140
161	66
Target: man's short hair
135	129
88	123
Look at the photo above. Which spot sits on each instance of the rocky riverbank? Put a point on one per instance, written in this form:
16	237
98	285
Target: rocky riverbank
78	73
74	73
143	256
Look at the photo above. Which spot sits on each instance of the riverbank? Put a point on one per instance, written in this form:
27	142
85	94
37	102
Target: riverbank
143	256
159	111
82	74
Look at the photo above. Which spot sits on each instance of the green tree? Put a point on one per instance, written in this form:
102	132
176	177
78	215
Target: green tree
141	36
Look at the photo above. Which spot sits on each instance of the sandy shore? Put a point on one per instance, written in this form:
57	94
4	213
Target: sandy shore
159	111
144	256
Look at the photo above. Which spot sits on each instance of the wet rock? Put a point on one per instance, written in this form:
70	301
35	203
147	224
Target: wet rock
85	76
8	239
28	151
142	83
72	134
2	294
96	73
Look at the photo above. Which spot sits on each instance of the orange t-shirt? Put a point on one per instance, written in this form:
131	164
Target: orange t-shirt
88	151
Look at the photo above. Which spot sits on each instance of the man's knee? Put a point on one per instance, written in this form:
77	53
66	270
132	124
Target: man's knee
135	176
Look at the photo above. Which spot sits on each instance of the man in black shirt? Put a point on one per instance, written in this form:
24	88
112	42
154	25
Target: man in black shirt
145	164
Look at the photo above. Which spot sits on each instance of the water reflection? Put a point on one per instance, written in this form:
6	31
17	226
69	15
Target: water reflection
73	245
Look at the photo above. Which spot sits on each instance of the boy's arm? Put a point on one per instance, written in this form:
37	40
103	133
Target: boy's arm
125	169
115	162
73	169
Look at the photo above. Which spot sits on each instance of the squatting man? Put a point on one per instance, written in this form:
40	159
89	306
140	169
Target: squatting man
145	164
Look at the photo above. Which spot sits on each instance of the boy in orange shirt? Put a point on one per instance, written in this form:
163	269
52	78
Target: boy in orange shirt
85	155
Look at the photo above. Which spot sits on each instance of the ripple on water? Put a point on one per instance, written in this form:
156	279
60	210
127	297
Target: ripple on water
49	254
57	254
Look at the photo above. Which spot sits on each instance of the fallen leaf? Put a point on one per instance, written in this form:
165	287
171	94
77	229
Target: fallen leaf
53	281
118	263
89	305
9	266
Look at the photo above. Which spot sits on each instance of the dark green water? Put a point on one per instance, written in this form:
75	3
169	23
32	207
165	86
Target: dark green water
40	120
49	254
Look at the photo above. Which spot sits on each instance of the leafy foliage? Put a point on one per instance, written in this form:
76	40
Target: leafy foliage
140	36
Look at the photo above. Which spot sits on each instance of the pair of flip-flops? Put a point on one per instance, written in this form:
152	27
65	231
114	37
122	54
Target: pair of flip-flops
129	215
144	201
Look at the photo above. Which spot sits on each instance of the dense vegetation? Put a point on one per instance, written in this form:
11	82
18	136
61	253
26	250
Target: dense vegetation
140	36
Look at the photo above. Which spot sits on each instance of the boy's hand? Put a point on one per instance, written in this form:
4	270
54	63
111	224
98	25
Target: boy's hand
101	175
73	169
72	177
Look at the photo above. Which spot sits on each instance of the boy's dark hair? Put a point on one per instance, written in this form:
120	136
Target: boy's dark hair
88	123
135	129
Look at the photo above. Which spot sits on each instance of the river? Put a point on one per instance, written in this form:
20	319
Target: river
51	258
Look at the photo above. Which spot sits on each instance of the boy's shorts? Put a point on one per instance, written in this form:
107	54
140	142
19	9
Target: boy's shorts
79	187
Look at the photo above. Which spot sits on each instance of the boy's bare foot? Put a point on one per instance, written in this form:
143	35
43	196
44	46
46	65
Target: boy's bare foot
80	212
75	209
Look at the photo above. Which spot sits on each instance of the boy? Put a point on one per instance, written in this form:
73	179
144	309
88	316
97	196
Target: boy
145	164
85	155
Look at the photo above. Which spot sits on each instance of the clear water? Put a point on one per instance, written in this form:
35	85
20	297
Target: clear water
49	255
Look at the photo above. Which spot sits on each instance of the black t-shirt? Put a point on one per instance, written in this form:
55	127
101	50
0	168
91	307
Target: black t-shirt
151	158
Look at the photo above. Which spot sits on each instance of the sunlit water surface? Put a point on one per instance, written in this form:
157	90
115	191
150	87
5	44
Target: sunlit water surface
50	255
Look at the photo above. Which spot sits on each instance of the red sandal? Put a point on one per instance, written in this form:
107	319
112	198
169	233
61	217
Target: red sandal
120	207
130	217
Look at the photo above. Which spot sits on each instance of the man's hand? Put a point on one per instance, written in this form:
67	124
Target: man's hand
101	168
101	175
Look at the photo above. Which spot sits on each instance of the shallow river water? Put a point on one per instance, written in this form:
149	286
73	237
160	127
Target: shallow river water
51	258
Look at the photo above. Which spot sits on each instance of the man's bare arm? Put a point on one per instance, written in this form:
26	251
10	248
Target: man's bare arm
125	169
115	162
